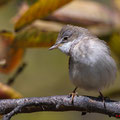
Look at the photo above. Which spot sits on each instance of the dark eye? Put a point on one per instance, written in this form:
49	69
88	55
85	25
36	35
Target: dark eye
65	38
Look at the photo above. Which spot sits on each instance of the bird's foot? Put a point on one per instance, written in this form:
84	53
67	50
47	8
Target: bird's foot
73	94
103	99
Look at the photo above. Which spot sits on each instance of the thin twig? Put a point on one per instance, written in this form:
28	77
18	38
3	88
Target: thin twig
18	72
13	112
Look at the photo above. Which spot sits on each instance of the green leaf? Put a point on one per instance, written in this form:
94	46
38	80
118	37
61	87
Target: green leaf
39	34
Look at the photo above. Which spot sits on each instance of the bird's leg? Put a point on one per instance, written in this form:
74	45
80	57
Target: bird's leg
74	91
103	98
73	94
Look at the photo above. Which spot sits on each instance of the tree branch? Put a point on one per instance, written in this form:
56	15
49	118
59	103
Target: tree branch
10	107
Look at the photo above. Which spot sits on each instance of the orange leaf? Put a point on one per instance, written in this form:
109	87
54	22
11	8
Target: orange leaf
13	60
13	54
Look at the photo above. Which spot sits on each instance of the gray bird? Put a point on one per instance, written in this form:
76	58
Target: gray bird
91	66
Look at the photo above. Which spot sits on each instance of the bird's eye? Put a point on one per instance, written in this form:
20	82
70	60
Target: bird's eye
65	38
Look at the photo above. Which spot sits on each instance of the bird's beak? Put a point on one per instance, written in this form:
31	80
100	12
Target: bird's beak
54	46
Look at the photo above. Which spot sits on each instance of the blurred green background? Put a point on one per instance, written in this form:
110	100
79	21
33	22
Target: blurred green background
46	74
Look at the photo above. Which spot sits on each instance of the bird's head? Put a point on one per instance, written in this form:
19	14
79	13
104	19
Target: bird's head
67	37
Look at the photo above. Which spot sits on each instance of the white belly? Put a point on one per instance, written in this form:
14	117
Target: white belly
92	77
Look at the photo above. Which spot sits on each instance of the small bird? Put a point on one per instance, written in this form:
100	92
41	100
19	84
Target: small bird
91	66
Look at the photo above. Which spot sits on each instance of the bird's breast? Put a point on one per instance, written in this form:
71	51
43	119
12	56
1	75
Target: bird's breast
92	76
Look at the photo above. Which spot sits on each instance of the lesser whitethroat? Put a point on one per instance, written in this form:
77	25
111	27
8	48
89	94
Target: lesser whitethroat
91	66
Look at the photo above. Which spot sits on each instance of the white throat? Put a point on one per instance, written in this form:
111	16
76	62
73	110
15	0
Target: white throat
65	48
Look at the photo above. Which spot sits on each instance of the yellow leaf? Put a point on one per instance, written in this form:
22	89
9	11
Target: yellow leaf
39	10
8	92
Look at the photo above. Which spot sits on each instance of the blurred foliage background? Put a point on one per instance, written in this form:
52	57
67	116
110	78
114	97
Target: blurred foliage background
30	27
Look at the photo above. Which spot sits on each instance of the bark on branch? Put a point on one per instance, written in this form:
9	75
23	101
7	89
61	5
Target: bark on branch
10	107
